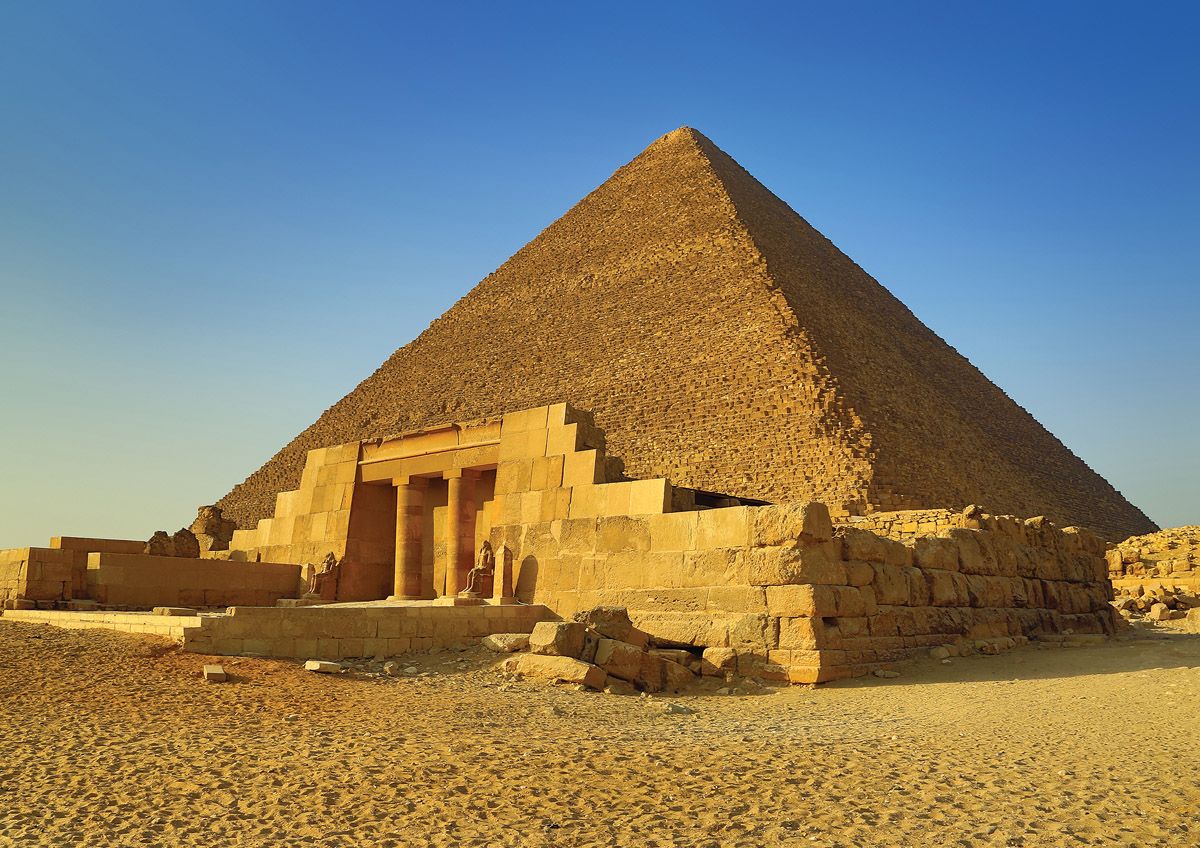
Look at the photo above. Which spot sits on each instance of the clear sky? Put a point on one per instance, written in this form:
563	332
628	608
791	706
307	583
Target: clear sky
216	218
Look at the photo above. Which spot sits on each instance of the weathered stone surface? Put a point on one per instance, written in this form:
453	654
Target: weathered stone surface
662	675
612	623
322	667
557	638
506	643
717	662
174	611
620	659
785	524
185	544
214	674
556	669
213	530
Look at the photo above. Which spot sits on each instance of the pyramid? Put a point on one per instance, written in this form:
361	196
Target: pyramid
722	342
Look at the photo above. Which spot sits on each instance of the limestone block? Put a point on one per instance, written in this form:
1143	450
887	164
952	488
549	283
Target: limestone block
803	563
623	534
583	468
576	535
737	599
891	584
649	497
556	669
323	667
673	531
620	659
613	623
787	523
863	545
662	675
943	591
802	599
936	552
563	439
717	662
214	674
506	643
752	632
859	573
805	634
728	527
557	638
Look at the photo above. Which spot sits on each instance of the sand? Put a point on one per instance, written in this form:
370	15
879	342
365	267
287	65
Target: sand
112	740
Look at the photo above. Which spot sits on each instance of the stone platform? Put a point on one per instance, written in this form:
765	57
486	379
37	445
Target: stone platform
329	632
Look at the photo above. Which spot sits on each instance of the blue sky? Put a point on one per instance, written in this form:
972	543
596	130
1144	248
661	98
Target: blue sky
216	218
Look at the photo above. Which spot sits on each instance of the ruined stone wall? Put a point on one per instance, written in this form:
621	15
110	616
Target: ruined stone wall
906	524
334	633
801	601
1170	557
134	580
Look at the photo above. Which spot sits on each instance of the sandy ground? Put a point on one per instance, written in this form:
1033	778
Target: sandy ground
113	740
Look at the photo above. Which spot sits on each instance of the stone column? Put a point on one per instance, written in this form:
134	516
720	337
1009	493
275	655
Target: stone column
460	527
410	513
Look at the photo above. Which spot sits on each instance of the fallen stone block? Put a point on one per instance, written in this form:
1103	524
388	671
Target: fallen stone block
322	667
1159	612
506	643
659	675
214	674
557	638
717	662
677	655
613	623
556	669
620	659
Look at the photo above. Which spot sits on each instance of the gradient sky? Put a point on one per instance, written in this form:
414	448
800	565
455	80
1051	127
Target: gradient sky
216	218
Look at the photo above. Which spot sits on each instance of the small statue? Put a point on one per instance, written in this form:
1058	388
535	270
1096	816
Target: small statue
323	583
485	566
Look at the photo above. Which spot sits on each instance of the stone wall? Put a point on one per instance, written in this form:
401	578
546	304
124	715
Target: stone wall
167	626
801	601
334	633
137	580
908	523
1170	557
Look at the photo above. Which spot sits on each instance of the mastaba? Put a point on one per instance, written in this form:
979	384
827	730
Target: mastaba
723	343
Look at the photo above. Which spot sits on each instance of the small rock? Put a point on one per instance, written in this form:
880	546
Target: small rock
322	667
391	668
678	709
941	652
294	717
616	686
885	673
411	669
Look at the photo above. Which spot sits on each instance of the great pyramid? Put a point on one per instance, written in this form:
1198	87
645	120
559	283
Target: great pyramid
724	343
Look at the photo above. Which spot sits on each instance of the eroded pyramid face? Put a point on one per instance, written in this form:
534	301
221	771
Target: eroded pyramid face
724	343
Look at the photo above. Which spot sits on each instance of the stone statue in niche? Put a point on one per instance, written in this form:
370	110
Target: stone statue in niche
323	583
485	566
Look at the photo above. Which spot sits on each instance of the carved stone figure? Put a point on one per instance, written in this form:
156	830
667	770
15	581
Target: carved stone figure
485	566
323	583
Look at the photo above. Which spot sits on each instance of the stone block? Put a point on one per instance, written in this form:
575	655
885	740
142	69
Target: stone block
859	573
613	623
717	662
662	675
728	527
622	533
506	643
936	552
556	669
557	638
214	674
620	659
802	563
784	524
673	531
323	667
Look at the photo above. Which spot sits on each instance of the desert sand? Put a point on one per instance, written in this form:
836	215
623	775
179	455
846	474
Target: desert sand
113	740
